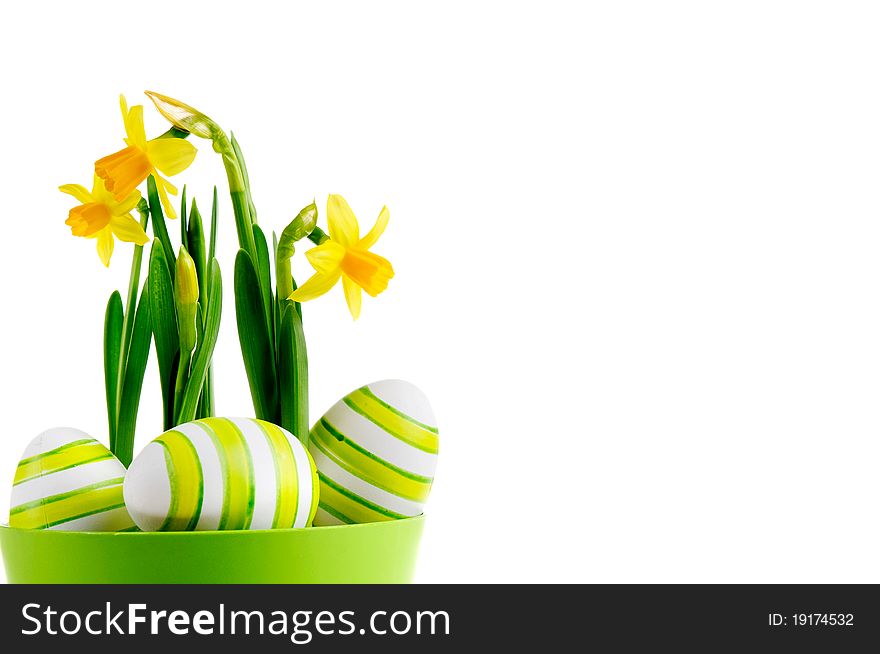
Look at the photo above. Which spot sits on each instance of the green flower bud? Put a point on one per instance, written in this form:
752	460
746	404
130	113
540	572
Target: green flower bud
186	296
184	117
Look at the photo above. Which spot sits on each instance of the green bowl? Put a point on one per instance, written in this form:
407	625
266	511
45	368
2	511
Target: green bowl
379	552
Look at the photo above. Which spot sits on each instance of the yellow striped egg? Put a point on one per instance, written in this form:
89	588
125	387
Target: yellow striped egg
376	451
222	473
66	480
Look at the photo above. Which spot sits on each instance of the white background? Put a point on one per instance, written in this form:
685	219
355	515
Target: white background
636	248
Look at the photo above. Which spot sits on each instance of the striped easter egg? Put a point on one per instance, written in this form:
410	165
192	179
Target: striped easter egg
66	480
376	450
222	474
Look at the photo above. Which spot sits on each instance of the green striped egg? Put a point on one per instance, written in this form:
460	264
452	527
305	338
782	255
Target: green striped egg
222	474
376	451
66	480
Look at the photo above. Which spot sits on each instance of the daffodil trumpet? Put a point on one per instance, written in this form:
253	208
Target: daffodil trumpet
123	171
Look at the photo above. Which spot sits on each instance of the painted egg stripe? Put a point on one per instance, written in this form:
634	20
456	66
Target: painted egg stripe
366	469
366	390
86	514
374	439
172	485
342	497
60	448
22	477
186	480
82	490
93	499
65	480
401	428
304	469
366	490
265	479
286	486
342	504
212	473
333	513
110	520
61	459
360	457
238	473
316	495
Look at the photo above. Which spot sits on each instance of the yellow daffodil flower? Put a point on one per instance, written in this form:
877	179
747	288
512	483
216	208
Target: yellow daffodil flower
345	255
101	216
123	171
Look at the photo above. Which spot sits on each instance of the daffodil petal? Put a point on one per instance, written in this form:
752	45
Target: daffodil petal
171	188
315	286
352	297
164	188
134	126
343	225
78	191
326	257
105	245
127	229
99	190
123	107
171	156
373	235
127	204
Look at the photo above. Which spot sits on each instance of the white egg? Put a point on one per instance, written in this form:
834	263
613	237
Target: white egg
222	474
66	480
376	451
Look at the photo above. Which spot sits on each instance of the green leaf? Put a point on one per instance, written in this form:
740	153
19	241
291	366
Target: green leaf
200	332
208	392
195	245
212	248
112	351
133	381
164	321
265	276
293	373
159	228
183	227
253	334
205	350
244	175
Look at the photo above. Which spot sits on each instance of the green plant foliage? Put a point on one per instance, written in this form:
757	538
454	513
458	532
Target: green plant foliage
253	334
159	228
164	324
112	349
133	380
205	349
293	372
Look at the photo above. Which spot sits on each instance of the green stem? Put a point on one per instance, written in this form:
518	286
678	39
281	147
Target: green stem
239	192
318	236
243	224
212	245
182	377
128	317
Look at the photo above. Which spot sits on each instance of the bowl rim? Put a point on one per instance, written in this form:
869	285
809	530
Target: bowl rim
58	533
